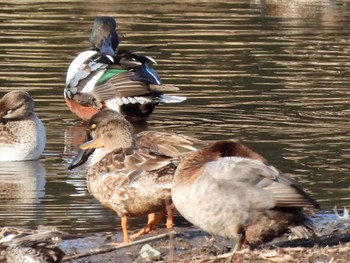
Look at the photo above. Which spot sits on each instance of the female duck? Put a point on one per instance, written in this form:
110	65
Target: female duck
131	174
22	134
26	245
125	82
228	190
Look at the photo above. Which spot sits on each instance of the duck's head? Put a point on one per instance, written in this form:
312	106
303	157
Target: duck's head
104	37
16	105
107	130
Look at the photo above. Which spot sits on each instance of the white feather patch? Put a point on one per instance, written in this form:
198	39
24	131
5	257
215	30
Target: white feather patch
132	100
143	100
171	99
110	58
77	63
113	104
92	83
152	60
125	100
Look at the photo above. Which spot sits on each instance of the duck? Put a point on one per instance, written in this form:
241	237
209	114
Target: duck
131	174
122	80
227	189
18	245
22	133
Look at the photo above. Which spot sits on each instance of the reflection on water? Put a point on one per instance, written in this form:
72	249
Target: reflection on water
22	188
22	182
272	73
325	10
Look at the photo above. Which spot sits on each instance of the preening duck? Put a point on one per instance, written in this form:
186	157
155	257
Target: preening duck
121	80
229	190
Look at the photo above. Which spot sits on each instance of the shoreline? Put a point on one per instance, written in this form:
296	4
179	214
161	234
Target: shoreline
190	244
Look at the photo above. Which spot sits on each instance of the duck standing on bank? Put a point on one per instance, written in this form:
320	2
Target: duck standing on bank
124	81
22	134
131	174
229	190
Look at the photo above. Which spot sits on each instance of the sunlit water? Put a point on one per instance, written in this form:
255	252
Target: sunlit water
274	74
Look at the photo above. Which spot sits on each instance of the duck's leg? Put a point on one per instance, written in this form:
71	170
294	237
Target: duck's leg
170	211
124	225
149	227
239	237
151	218
156	220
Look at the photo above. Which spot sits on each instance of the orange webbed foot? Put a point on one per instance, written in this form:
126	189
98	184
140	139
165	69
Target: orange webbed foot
152	221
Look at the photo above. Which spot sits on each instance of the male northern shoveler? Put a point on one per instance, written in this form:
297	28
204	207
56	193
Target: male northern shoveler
125	82
22	134
131	174
228	190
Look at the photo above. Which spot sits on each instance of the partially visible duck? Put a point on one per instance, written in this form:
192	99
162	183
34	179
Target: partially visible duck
26	245
22	134
229	190
124	81
131	174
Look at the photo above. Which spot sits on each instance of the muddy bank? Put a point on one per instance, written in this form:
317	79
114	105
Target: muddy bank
189	244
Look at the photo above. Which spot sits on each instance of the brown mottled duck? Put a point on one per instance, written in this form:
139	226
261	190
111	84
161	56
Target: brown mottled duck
131	174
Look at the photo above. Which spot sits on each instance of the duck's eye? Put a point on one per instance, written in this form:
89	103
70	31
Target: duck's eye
93	126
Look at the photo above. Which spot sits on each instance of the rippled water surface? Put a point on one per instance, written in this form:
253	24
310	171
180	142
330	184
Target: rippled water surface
274	74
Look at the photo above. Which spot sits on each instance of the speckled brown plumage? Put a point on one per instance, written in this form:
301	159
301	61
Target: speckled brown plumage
131	174
22	134
26	245
129	181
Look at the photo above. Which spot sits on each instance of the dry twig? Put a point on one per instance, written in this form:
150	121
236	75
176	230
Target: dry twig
112	248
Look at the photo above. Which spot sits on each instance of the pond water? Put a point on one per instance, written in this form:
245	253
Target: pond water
274	74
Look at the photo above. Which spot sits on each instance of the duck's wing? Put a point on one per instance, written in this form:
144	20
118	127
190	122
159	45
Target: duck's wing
170	144
83	66
14	235
95	82
119	83
94	78
131	75
115	84
82	75
135	165
132	79
23	245
133	159
253	174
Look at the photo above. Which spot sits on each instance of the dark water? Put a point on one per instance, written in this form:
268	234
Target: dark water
273	75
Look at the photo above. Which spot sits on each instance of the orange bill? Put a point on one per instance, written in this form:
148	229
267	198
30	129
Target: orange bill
93	144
